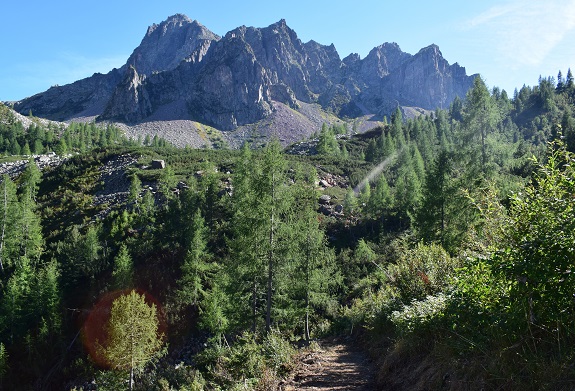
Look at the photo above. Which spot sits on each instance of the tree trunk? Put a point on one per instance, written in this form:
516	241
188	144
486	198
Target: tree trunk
254	306
271	260
3	226
307	316
270	277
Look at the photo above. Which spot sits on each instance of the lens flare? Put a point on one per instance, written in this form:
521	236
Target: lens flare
376	171
94	333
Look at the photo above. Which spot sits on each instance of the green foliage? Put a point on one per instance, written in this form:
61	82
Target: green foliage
480	268
197	267
422	271
123	273
133	339
420	315
248	362
327	143
3	362
537	259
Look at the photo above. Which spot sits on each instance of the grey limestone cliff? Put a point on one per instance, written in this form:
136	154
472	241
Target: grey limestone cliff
239	79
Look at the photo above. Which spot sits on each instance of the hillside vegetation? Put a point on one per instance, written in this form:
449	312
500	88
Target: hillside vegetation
443	243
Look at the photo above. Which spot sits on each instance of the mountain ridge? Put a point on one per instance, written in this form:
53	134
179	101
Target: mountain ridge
239	79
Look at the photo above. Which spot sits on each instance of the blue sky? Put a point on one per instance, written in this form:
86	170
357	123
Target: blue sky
509	42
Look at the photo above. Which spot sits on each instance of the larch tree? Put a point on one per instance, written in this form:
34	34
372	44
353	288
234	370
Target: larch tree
260	202
312	265
481	116
123	272
133	337
197	268
8	219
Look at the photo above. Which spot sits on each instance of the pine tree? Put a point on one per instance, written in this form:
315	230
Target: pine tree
350	202
28	225
15	306
135	189
47	298
432	215
381	200
570	82
560	82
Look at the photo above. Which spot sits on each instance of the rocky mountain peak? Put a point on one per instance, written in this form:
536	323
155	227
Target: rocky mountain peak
165	45
177	20
182	71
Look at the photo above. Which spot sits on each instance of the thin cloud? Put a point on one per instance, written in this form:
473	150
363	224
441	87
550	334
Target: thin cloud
491	14
524	32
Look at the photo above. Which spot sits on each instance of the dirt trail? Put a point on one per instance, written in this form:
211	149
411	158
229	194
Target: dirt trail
336	365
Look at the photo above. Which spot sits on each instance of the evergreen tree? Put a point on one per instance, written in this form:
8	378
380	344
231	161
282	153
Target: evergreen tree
381	200
28	225
560	82
61	147
433	213
16	299
350	202
47	299
327	143
570	82
261	200
135	189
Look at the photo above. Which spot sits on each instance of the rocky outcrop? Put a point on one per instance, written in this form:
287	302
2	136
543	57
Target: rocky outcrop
238	79
83	98
166	45
427	80
130	102
44	162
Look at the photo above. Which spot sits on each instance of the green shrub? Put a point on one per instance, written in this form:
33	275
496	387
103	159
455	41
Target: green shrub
420	314
422	271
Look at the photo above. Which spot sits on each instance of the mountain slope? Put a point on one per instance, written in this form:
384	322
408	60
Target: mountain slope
183	71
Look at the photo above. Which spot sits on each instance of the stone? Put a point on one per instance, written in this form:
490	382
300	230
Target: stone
324	199
158	164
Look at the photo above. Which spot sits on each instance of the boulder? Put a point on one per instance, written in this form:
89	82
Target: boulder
325	199
158	164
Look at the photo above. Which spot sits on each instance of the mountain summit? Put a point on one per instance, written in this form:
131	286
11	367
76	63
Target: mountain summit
181	71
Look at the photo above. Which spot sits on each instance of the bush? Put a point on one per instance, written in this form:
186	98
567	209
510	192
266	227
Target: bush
420	314
422	271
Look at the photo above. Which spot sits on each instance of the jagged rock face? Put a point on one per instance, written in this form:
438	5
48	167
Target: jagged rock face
232	88
235	80
381	61
130	101
427	80
167	44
